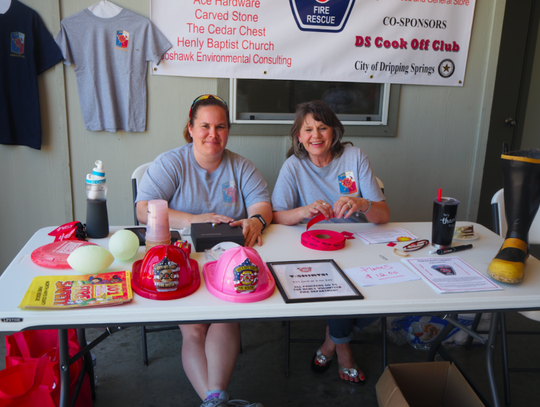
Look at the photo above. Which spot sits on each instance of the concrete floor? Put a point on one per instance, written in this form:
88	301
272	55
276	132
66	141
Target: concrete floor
123	380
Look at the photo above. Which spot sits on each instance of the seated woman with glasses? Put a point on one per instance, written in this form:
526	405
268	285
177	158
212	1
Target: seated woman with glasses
204	182
324	175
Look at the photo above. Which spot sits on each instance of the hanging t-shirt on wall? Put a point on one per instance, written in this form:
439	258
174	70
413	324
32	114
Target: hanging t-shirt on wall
110	56
26	50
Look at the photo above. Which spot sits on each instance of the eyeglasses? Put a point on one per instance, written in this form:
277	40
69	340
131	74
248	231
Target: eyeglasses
412	247
204	97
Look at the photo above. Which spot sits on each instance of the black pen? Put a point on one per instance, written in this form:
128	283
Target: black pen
452	249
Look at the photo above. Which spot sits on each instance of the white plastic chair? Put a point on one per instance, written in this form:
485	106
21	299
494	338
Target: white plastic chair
500	226
135	179
499	219
381	185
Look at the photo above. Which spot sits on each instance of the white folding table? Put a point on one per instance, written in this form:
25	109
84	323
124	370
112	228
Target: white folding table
280	243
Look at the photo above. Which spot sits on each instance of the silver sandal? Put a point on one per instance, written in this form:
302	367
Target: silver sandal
352	373
320	363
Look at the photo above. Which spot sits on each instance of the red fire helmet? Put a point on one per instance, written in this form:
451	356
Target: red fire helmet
165	273
239	275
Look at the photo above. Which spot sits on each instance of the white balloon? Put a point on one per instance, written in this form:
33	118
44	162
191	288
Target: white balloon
90	259
124	245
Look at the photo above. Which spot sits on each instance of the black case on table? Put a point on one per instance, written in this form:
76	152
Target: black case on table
207	235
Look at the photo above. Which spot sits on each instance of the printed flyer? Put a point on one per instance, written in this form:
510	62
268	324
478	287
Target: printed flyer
78	291
379	41
450	275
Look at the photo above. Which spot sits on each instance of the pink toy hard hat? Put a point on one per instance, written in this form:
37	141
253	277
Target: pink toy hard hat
165	273
54	255
239	275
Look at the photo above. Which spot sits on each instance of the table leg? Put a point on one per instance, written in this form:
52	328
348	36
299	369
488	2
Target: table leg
437	342
287	348
506	370
474	327
384	344
64	367
490	351
88	364
437	347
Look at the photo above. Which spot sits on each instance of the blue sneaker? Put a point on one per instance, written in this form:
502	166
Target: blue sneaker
220	401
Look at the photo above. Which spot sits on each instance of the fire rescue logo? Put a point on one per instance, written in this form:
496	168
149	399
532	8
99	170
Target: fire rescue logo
321	15
122	40
444	269
347	183
246	277
166	275
17	43
230	193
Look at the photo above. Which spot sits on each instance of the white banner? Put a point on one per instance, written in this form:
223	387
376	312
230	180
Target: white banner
385	41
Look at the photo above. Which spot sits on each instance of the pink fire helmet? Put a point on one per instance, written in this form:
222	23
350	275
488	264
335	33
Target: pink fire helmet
239	275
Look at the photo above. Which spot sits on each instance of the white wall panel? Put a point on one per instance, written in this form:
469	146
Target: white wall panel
440	141
34	184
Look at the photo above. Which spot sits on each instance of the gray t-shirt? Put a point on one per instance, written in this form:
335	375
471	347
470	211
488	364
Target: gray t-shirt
110	57
300	182
176	177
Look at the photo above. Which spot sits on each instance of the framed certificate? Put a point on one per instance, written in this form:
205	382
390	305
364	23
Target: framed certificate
312	280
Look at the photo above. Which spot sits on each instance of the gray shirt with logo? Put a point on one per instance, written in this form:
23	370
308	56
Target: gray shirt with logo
110	57
176	177
300	182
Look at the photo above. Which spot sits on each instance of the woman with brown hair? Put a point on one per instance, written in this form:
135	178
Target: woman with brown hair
324	175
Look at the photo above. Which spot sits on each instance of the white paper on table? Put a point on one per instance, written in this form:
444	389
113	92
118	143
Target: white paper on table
450	275
385	235
387	273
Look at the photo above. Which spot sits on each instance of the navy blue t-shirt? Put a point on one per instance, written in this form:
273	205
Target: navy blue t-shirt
26	50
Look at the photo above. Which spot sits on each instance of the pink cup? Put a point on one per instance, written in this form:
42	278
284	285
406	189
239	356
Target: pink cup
157	224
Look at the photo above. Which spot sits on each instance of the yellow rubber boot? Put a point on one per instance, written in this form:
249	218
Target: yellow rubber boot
509	264
521	179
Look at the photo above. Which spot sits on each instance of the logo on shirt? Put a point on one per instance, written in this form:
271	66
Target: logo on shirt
17	43
347	183
321	15
122	40
229	192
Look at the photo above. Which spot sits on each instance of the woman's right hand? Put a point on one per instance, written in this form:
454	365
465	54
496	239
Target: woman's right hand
298	214
317	207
